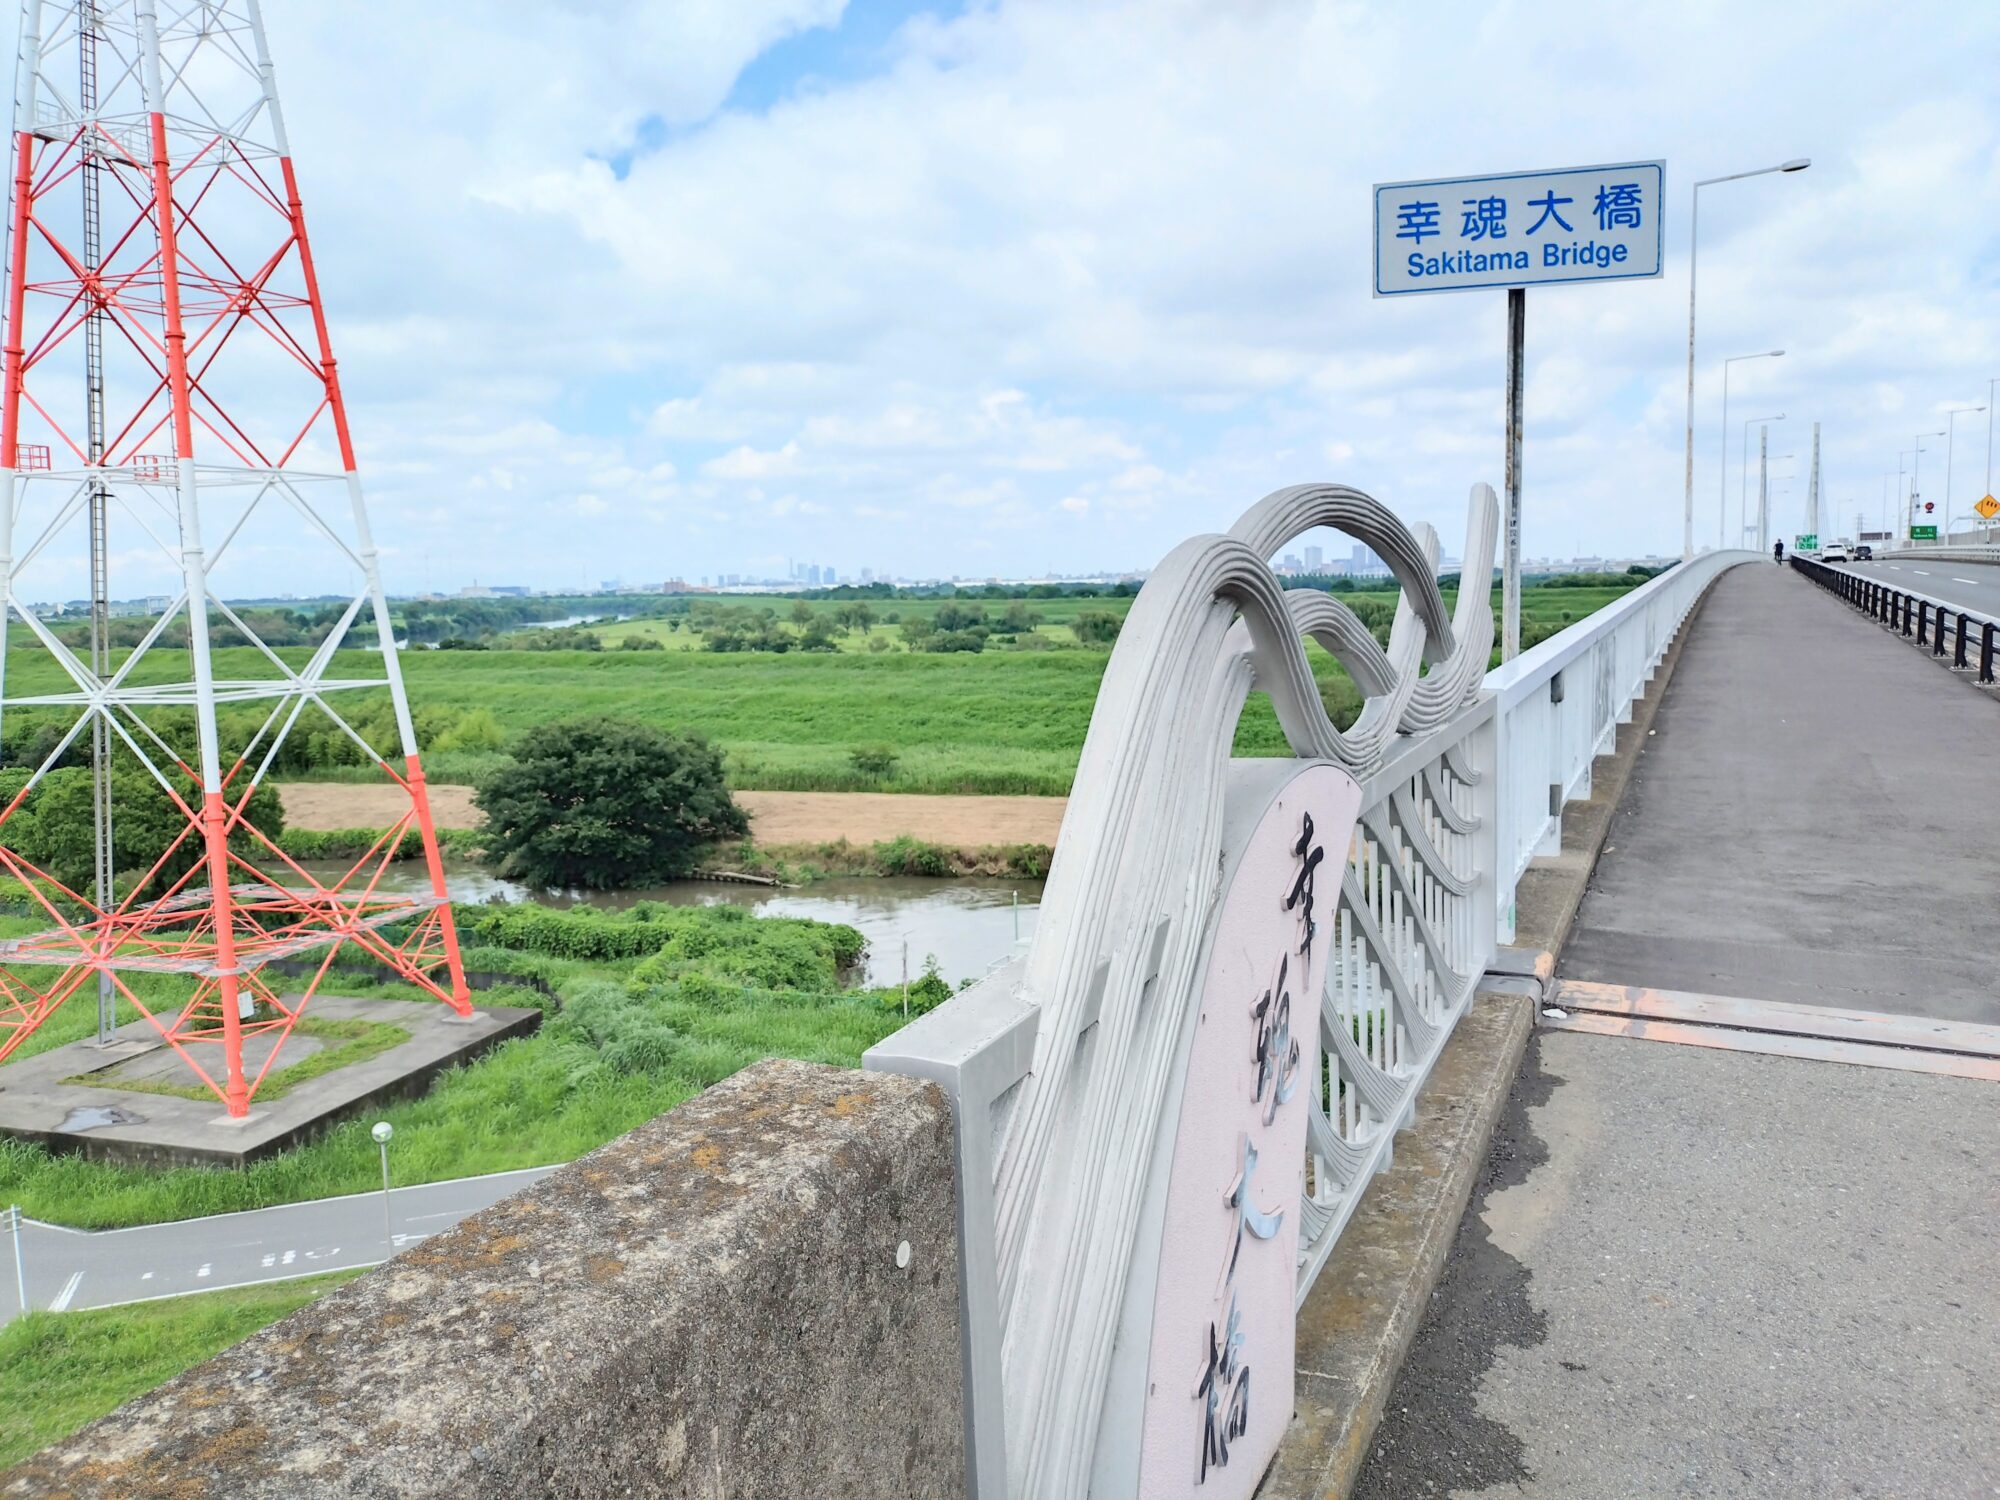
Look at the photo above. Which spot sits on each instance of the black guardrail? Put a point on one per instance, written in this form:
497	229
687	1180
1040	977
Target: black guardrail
1933	622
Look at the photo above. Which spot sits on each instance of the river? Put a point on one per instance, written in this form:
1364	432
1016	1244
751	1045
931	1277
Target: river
969	924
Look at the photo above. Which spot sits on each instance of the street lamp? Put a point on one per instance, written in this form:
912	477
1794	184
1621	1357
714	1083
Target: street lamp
1722	478
382	1131
1797	164
1743	492
1951	426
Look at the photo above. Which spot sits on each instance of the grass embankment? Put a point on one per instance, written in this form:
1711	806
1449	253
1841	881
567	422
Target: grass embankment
60	1371
657	1004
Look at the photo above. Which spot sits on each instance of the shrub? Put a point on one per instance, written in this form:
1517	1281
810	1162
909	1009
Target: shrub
1095	627
644	642
53	828
904	855
873	760
605	803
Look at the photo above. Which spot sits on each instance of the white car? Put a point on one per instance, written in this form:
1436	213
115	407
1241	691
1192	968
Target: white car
1836	553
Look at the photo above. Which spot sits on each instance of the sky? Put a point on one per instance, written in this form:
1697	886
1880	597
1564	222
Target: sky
648	288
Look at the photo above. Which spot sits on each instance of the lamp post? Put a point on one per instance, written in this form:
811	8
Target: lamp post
382	1131
1722	475
1797	164
1743	496
1951	426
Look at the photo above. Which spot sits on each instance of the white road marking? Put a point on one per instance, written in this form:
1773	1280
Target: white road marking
1973	581
290	1256
145	1275
1920	572
61	1304
205	1269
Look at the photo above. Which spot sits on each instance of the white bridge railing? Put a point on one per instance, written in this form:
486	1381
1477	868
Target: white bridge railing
1066	1068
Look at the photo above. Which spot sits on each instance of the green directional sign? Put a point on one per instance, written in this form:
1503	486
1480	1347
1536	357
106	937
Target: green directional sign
1806	541
1923	533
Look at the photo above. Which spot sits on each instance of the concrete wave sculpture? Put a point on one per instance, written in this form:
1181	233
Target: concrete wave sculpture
1065	1067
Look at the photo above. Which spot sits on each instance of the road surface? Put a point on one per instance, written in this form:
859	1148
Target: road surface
1694	1271
1798	827
1974	586
71	1268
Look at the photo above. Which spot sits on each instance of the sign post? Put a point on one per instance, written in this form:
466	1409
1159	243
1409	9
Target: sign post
1516	230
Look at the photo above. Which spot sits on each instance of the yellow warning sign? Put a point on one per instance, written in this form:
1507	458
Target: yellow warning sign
1988	508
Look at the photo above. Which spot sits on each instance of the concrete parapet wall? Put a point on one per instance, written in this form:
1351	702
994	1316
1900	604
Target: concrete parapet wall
717	1304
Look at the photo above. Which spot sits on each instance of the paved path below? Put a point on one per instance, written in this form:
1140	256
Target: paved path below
1804	824
69	1268
776	818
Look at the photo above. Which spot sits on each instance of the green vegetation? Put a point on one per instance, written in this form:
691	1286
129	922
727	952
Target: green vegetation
349	1041
61	1371
1008	717
53	828
657	1003
605	804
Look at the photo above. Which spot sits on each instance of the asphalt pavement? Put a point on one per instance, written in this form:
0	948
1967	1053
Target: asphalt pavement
1966	585
72	1268
1692	1272
1803	823
1696	1270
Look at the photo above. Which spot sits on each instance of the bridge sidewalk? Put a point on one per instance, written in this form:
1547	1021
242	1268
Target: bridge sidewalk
1806	823
1693	1270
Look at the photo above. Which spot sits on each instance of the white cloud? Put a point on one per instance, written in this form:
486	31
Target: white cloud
994	279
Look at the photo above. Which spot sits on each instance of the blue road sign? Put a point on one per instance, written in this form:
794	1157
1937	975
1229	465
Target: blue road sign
1460	234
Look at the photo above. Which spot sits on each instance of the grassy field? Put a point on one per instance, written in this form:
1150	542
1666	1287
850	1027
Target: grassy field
1000	721
61	1371
658	1003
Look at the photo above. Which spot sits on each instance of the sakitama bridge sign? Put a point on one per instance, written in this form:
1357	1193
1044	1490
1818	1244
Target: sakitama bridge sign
1458	234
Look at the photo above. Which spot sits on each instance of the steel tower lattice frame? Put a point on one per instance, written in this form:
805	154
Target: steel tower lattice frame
187	142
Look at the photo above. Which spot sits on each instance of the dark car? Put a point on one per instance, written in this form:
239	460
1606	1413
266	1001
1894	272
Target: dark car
1864	553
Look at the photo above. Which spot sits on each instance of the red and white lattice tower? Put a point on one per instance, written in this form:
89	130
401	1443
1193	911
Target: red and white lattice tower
168	367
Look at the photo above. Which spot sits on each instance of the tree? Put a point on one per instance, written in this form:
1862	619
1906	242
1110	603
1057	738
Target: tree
605	803
1096	627
54	830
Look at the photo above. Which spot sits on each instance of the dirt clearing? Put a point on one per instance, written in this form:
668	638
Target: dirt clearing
776	818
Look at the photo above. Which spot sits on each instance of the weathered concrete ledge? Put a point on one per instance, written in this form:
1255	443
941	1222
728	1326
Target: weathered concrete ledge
1362	1313
718	1304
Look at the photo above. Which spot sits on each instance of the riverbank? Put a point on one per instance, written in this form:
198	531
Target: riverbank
778	820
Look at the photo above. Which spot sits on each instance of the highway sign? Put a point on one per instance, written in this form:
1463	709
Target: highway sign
1923	533
1988	508
1458	234
1806	541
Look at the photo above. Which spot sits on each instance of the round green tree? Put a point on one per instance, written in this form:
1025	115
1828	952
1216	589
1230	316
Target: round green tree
605	803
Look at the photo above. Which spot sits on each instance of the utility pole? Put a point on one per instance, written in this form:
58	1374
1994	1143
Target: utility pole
1812	488
1763	487
1510	576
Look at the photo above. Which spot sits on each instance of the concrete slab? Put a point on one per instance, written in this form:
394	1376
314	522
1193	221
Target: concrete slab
1705	1273
1804	824
71	1099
